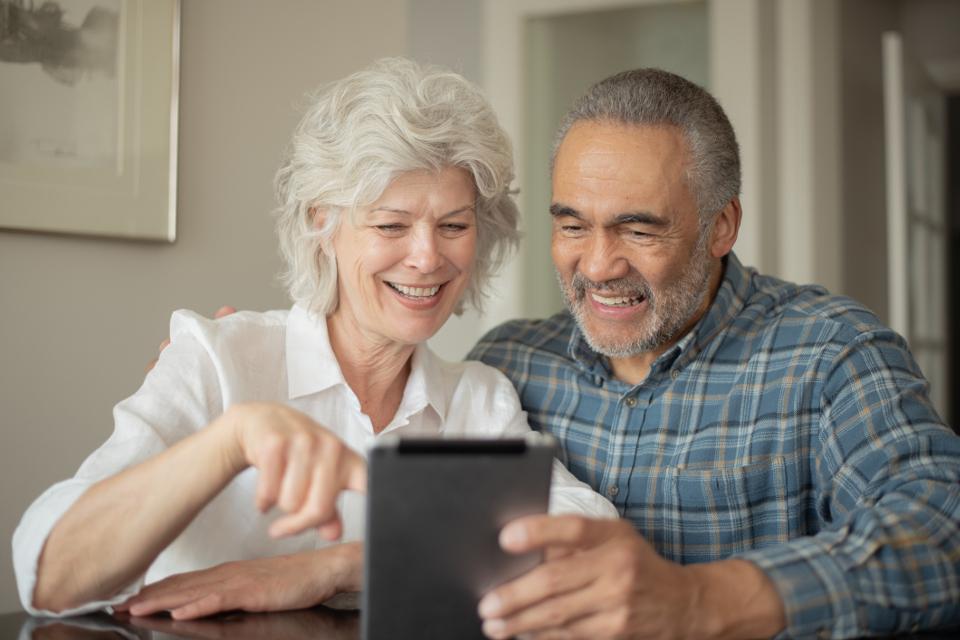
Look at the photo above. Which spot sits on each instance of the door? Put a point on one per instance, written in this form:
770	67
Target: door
915	128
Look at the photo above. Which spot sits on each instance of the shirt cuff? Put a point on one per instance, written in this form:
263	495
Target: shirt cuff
30	538
812	585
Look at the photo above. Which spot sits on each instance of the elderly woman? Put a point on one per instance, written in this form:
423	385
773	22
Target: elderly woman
394	212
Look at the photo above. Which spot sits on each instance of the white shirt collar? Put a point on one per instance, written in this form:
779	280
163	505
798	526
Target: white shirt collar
312	366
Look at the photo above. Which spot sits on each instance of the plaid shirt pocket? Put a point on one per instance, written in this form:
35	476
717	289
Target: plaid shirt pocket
722	511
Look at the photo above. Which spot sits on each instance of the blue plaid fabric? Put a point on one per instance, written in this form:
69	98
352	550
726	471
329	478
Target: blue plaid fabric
789	428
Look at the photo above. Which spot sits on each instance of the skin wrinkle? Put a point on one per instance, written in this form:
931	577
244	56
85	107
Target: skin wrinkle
401	238
607	187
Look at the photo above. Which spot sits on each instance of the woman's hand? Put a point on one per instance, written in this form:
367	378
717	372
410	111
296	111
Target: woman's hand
303	467
318	622
267	584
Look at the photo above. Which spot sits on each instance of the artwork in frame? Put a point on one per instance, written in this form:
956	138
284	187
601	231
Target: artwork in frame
88	117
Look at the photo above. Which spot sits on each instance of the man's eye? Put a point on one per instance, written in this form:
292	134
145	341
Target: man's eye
390	228
571	228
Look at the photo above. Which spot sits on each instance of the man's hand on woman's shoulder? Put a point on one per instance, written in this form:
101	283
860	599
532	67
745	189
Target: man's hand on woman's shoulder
225	310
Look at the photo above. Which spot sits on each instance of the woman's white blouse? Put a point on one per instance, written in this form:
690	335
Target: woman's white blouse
277	356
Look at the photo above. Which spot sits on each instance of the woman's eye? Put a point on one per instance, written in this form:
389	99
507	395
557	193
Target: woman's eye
455	227
390	228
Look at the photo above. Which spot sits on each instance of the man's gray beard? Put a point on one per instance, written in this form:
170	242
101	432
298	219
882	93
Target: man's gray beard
667	311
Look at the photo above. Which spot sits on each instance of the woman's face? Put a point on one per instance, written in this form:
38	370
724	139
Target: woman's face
403	267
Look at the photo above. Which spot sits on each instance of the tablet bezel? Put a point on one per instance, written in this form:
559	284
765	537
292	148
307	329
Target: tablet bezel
435	508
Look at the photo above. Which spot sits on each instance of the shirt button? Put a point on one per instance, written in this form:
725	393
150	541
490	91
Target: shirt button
631	401
675	374
613	490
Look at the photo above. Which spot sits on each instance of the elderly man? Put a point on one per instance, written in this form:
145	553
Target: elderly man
771	448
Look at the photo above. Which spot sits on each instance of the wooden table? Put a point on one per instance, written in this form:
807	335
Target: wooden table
319	623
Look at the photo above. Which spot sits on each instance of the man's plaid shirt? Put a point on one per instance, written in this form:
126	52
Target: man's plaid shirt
789	427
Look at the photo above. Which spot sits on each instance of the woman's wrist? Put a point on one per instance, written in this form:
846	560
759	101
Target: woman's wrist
227	433
348	559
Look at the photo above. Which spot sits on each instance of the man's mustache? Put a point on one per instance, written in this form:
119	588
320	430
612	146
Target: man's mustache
631	285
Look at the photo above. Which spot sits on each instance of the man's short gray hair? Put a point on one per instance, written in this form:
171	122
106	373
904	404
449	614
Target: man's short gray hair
361	132
654	97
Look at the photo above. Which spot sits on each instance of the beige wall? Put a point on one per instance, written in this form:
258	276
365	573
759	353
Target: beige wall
80	317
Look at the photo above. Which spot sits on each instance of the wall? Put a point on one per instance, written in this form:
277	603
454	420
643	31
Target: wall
80	317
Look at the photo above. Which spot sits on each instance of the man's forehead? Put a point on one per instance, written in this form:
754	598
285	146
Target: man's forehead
621	168
608	136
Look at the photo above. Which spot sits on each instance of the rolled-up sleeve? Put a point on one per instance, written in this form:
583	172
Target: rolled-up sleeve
178	396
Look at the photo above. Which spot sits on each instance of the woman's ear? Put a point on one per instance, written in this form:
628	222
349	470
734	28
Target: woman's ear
318	217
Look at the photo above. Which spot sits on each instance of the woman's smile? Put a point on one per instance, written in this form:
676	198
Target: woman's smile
405	262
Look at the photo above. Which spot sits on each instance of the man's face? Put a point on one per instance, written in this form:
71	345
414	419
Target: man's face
627	245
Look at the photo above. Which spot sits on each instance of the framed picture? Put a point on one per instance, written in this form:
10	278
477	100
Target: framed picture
88	117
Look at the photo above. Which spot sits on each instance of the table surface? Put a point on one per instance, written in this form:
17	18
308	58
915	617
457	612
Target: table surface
319	623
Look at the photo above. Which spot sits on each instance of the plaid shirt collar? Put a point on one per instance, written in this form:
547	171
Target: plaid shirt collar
729	301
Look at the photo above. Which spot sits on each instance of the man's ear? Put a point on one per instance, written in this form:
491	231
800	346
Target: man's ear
726	227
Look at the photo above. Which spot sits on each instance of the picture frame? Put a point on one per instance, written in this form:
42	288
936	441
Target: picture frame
88	117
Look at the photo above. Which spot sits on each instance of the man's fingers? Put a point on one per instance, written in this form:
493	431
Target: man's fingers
153	363
541	584
557	553
556	617
225	310
599	625
539	531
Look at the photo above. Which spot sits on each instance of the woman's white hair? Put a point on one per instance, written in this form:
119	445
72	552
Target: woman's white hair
361	132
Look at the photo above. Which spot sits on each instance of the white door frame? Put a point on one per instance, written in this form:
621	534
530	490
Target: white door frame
790	194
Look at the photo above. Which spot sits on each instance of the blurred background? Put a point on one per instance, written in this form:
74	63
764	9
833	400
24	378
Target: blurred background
847	113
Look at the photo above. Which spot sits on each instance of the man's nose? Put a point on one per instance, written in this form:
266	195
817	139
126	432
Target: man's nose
603	259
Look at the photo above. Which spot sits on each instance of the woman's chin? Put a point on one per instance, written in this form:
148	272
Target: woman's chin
415	333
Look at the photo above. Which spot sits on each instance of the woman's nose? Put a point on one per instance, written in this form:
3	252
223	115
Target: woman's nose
424	253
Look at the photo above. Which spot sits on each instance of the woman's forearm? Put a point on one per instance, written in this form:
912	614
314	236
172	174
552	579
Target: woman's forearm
112	534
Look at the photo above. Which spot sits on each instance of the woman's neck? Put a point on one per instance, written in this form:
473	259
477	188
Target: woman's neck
375	369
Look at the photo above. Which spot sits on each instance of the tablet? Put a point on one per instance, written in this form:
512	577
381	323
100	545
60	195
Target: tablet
435	509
